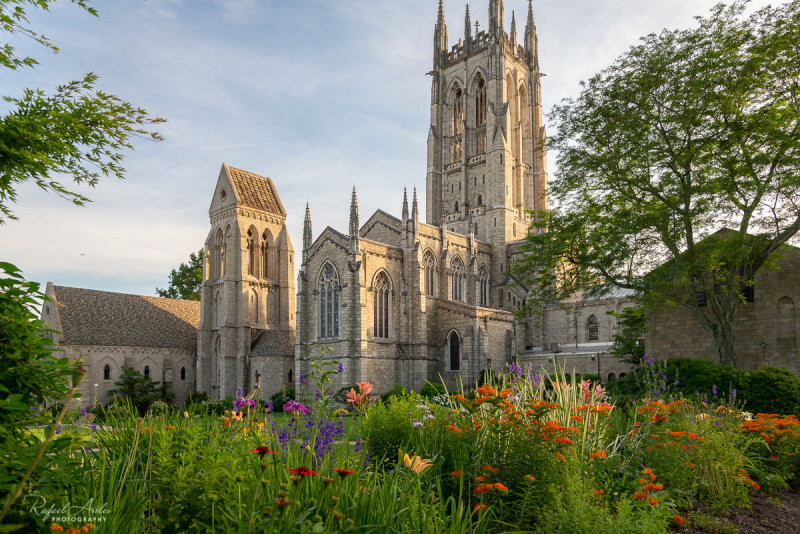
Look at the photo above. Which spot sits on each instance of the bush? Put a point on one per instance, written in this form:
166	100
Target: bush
387	429
767	390
140	390
396	391
430	390
281	397
770	390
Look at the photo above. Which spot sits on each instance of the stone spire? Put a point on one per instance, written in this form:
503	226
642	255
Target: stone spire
414	209
496	19
306	233
405	206
467	30
513	35
354	223
440	37
531	48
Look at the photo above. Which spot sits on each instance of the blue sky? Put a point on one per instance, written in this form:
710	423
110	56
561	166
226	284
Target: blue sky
320	95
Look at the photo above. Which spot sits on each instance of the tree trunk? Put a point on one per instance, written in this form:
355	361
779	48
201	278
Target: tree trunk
723	336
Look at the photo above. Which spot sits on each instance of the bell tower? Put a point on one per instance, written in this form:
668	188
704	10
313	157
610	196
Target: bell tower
486	158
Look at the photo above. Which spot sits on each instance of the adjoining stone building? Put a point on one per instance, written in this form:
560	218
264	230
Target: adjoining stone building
765	325
108	331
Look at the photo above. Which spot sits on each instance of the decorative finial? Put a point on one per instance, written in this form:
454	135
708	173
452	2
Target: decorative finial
405	205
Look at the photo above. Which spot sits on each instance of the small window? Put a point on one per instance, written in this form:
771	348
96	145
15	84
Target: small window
107	372
749	293
290	376
702	299
592	328
480	200
183	373
484	179
222	194
611	377
147	371
476	228
456	208
454	351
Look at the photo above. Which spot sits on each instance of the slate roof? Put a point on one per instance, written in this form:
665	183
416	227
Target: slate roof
90	317
256	191
272	343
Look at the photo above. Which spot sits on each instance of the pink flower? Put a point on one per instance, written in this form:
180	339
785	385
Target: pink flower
599	392
365	387
355	398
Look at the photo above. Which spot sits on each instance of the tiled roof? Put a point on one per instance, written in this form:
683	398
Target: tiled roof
273	343
90	317
256	191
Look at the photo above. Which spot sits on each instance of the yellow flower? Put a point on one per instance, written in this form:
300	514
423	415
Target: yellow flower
416	464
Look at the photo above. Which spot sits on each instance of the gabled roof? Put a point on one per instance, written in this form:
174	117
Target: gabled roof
90	317
256	191
273	343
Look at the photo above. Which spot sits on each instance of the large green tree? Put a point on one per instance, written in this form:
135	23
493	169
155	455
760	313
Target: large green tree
185	281
76	135
688	132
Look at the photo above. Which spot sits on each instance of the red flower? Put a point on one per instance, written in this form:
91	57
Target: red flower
263	449
343	472
303	471
478	508
456	473
283	503
678	519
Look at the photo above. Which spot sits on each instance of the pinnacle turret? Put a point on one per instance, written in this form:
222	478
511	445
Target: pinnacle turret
513	29
467	29
354	225
405	206
306	233
440	37
414	209
496	18
531	48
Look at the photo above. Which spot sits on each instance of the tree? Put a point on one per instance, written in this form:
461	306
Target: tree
140	391
78	131
627	343
185	281
688	131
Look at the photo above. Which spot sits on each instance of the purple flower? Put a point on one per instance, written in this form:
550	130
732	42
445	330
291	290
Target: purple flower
340	369
94	427
358	445
733	393
318	395
714	389
676	382
294	407
302	378
239	392
269	406
58	429
83	412
366	459
417	424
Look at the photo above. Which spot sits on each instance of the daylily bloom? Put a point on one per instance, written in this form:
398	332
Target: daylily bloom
263	449
364	387
343	472
416	464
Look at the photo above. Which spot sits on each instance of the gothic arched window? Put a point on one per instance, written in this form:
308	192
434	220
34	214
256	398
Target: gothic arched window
253	307
480	200
147	371
328	286
458	123
592	328
183	373
483	286
454	351
611	377
458	279
251	253
381	302
429	264
480	116
264	256
107	372
219	255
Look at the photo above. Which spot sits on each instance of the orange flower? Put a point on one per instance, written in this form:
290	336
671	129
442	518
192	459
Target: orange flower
487	467
478	508
500	487
675	434
600	454
479	479
564	441
504	393
652	501
678	519
456	473
599	492
530	478
755	485
638	495
480	489
559	456
641	482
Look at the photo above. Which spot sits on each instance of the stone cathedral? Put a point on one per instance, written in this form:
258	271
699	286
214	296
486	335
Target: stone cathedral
398	300
411	300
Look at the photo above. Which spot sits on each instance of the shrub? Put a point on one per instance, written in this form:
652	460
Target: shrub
387	429
430	390
397	391
770	390
281	397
